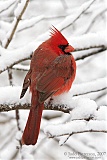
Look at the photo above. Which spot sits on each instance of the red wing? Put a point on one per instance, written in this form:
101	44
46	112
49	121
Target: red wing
26	83
54	77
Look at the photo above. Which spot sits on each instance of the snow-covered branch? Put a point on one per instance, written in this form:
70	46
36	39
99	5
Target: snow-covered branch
85	117
6	5
21	67
64	102
89	87
76	127
14	106
18	14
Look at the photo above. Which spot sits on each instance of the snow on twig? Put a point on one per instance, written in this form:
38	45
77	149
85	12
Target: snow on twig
84	118
75	127
6	5
89	87
18	13
89	41
21	67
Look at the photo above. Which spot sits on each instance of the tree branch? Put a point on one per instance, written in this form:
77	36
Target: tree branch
14	106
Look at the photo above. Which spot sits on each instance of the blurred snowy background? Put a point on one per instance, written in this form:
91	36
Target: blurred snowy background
83	23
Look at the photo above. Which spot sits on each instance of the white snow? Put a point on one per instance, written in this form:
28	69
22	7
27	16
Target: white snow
98	125
9	33
67	128
16	54
101	114
19	8
75	126
20	66
27	152
71	18
89	40
27	23
11	95
18	135
88	87
85	109
5	4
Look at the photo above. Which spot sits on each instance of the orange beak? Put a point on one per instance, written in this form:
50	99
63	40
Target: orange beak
69	48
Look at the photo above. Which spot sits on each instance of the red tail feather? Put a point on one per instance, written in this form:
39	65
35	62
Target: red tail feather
31	131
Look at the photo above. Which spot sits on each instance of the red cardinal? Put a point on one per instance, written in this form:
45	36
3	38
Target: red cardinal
52	72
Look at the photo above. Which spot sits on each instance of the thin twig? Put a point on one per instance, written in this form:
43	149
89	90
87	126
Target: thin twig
10	76
16	62
91	91
18	125
77	132
20	69
74	150
100	96
90	54
91	47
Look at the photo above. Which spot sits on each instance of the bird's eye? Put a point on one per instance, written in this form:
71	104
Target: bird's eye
62	47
